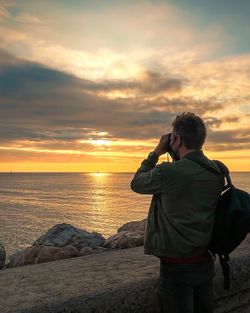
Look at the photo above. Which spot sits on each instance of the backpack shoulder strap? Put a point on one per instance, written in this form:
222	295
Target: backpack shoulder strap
224	259
225	171
206	166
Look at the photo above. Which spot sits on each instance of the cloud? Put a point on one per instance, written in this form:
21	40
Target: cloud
115	41
24	79
148	83
48	110
4	12
214	122
12	38
228	140
24	17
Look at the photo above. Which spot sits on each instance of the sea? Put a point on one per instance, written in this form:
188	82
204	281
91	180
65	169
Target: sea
32	203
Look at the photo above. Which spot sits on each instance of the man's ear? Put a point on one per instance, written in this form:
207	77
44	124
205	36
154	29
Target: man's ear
179	140
172	138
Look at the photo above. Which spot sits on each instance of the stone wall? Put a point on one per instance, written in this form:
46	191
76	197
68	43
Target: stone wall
115	281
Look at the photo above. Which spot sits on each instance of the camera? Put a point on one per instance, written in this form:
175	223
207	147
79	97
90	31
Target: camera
169	149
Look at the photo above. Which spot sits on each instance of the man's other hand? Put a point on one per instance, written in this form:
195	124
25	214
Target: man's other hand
163	146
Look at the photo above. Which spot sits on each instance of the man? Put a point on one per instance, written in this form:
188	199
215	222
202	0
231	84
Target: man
181	214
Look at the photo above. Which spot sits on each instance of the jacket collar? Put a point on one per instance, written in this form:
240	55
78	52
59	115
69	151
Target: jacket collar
194	155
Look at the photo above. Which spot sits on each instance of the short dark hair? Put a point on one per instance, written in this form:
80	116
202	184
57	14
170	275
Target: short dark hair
191	128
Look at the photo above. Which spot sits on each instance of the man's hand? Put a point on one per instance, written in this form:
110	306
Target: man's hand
163	146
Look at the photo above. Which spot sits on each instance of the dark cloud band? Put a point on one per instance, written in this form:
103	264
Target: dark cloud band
42	104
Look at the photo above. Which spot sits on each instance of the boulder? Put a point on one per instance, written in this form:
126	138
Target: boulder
88	250
124	240
100	249
67	252
41	254
65	234
133	226
2	256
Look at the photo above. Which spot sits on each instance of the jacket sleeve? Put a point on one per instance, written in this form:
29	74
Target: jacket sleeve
149	177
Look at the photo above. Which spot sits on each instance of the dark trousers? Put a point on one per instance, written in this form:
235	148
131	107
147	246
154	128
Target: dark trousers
187	288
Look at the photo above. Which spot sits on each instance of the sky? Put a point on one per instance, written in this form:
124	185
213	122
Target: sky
93	85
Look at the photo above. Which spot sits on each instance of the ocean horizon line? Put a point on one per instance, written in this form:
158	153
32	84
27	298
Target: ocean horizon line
99	172
19	172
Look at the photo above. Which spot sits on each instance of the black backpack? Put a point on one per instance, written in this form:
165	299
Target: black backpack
232	221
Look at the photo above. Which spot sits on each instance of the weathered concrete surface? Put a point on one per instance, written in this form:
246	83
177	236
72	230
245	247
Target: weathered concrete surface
83	282
114	281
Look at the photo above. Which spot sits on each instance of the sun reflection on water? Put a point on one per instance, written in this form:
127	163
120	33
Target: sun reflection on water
100	203
98	174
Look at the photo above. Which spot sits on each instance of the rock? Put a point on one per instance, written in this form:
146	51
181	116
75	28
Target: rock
133	226
65	234
125	239
30	255
100	249
67	252
41	254
2	256
86	251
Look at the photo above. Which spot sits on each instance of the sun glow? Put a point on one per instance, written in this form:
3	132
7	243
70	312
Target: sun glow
101	142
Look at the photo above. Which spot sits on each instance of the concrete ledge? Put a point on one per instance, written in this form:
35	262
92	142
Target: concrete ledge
115	281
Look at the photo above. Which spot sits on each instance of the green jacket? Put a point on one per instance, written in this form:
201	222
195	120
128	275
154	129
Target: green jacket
181	214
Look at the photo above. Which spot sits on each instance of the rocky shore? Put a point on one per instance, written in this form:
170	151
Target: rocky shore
65	241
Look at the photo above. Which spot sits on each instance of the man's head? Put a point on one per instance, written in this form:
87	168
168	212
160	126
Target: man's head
189	133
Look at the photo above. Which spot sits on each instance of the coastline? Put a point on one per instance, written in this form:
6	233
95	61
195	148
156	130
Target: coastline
64	241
